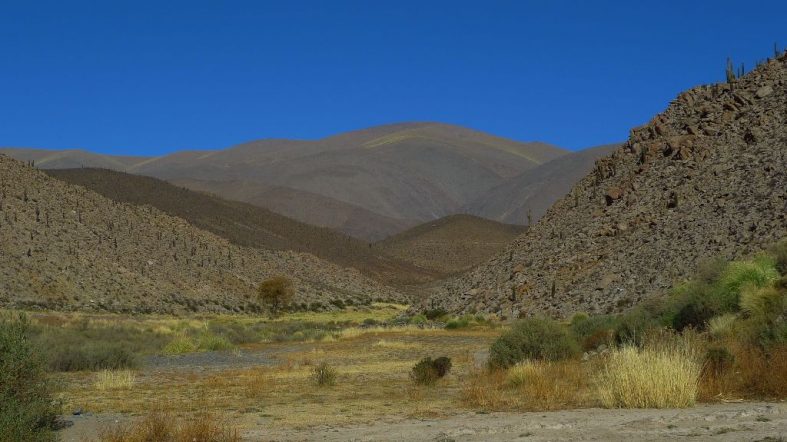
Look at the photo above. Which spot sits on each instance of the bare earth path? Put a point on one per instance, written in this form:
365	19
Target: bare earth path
723	422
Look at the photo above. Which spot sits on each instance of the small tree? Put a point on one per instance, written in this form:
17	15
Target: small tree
276	292
27	408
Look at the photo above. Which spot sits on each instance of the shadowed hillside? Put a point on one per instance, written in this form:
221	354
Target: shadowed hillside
451	244
525	198
705	178
244	224
64	247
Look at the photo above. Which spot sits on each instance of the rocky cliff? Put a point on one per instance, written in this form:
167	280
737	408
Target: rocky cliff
705	178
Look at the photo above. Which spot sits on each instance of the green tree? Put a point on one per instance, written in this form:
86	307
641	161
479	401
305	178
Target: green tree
27	407
276	293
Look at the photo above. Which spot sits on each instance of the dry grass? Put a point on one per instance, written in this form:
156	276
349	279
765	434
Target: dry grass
115	379
372	381
163	427
531	385
663	374
752	374
395	345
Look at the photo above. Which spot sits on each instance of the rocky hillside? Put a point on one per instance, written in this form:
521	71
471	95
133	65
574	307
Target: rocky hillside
451	244
247	224
390	177
705	178
65	247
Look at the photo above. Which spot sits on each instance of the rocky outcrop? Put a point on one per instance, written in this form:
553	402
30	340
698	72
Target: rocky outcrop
67	248
706	178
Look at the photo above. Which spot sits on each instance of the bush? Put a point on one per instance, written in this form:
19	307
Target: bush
418	320
649	378
180	345
276	292
534	338
779	252
594	330
324	375
435	313
93	356
454	324
163	427
428	371
27	407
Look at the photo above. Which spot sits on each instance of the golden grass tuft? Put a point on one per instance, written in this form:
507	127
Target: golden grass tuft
115	380
529	385
163	427
396	345
657	376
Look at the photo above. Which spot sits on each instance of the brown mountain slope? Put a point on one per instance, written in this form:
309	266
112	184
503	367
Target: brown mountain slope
301	205
407	173
71	158
244	224
450	244
65	247
707	177
525	198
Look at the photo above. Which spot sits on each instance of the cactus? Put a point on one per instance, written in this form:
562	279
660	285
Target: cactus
730	72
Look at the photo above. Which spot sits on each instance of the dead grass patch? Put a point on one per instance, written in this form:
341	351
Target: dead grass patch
164	427
115	379
529	386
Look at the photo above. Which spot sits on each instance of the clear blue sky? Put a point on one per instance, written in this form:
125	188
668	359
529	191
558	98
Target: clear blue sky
149	77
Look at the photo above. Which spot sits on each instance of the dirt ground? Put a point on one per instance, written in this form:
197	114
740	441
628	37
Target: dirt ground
722	422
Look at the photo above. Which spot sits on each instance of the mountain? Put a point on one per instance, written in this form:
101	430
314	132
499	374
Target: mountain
400	174
705	178
301	205
68	248
525	198
245	224
451	244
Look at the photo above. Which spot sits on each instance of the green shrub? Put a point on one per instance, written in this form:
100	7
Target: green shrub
533	338
719	360
93	356
759	272
594	325
579	317
779	252
454	324
435	313
324	375
211	342
180	345
28	410
427	371
418	320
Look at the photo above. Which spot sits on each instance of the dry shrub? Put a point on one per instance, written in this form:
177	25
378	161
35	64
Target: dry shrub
163	427
529	385
115	379
752	374
484	390
663	374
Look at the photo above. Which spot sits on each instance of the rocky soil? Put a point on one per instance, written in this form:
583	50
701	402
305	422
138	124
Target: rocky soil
718	422
705	178
67	248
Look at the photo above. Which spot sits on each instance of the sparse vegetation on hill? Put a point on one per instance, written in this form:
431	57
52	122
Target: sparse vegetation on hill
67	248
245	224
704	178
449	245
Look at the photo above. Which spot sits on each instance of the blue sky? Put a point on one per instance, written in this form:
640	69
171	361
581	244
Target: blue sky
153	77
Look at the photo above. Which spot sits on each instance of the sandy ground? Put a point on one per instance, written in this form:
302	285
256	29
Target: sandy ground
723	422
